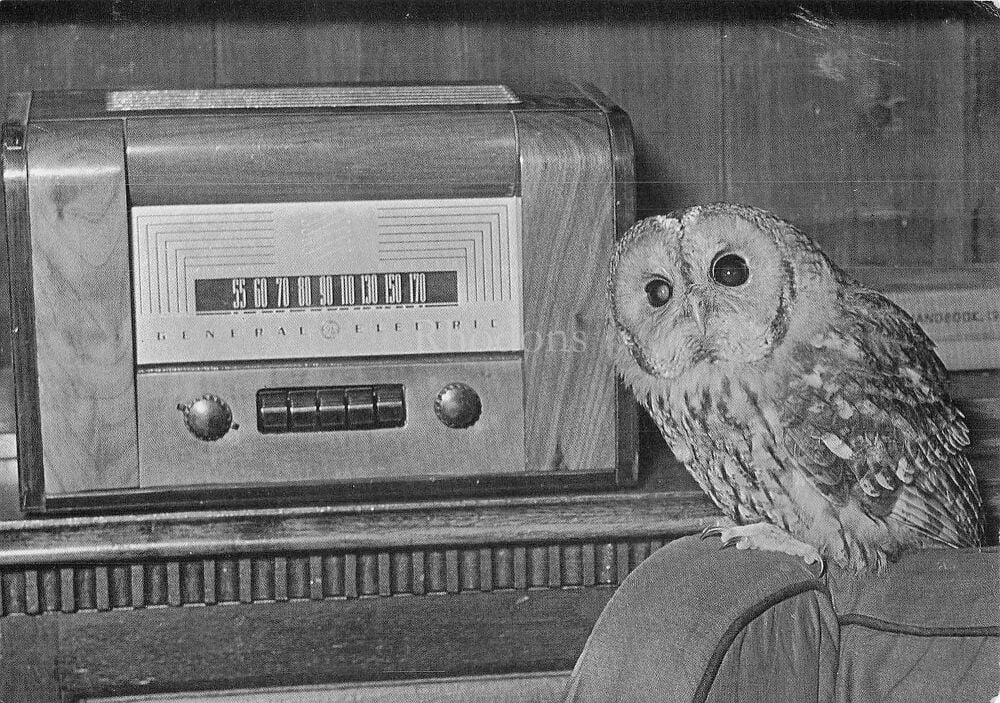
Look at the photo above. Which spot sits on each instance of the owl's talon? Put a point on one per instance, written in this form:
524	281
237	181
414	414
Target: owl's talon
767	537
822	566
712	531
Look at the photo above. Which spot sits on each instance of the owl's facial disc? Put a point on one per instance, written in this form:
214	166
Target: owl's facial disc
737	267
706	287
648	292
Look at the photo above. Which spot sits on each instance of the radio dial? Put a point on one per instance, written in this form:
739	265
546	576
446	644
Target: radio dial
458	406
208	418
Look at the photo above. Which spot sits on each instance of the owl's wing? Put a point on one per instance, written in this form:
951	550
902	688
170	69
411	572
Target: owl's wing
867	416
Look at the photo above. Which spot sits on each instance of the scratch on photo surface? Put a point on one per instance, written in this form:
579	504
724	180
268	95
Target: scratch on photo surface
993	7
813	20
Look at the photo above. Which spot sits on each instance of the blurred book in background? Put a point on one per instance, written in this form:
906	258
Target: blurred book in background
959	309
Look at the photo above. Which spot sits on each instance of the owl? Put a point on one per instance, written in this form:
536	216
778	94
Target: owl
810	409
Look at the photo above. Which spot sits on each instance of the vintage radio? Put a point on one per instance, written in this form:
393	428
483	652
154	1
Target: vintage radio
255	296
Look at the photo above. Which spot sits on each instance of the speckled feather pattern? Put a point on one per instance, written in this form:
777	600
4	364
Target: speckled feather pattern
811	402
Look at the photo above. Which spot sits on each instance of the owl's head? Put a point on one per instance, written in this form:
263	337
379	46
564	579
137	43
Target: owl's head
710	285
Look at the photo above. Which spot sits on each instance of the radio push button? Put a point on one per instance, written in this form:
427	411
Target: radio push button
302	410
332	408
272	411
390	409
360	408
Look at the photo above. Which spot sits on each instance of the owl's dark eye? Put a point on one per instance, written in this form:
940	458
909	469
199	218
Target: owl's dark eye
658	292
730	270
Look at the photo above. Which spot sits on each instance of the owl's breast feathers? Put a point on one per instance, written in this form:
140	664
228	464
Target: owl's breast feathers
719	424
867	418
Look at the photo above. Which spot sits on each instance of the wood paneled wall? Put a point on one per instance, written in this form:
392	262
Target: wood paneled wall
874	126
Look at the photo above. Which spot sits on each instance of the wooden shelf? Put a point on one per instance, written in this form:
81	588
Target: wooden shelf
361	527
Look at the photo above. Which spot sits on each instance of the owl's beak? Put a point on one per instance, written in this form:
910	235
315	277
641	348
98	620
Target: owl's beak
698	309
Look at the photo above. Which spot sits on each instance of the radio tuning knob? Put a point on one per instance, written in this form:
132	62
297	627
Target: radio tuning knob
208	418
458	405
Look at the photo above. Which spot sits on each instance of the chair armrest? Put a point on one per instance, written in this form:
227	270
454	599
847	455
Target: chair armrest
928	628
927	592
666	632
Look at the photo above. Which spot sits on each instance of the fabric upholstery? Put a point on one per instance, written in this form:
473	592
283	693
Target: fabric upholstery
767	662
695	623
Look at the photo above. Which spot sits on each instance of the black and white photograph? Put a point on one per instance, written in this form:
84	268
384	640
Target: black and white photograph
499	351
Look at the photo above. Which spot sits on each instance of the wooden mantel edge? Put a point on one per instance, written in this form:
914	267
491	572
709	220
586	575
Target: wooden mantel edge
375	527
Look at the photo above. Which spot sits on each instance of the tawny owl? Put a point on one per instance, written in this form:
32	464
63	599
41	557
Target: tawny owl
811	409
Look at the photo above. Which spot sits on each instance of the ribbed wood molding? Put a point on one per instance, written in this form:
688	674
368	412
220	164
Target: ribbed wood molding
319	576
